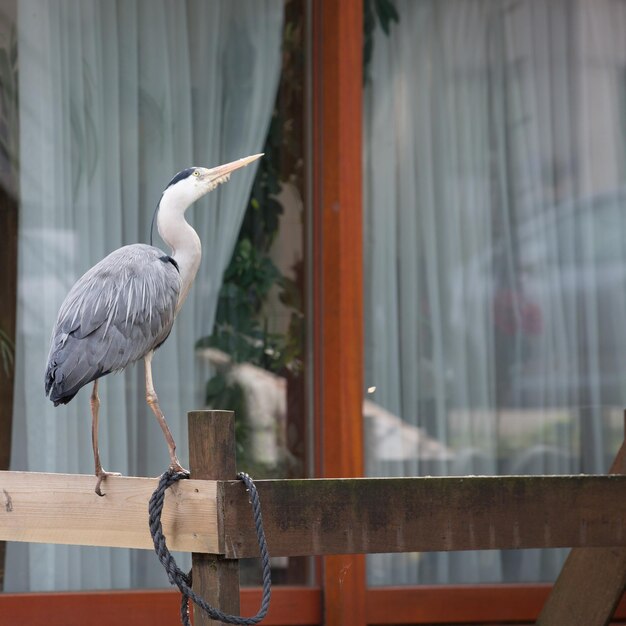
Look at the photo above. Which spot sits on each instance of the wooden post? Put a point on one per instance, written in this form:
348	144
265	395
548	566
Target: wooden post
591	582
212	457
338	281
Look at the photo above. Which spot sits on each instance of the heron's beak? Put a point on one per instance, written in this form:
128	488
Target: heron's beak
219	172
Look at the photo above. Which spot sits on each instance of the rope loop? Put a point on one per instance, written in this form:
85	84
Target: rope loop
184	580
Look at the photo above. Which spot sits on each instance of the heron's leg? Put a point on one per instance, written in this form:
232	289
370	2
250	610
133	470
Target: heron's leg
95	412
153	402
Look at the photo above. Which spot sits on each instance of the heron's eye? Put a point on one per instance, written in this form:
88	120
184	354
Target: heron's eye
196	173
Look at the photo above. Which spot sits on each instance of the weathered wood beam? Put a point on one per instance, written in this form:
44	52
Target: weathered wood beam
212	456
369	515
63	508
591	582
322	516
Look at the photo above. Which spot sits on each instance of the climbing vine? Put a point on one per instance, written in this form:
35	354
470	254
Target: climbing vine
242	326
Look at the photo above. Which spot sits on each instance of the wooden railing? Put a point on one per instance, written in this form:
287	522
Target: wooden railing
210	516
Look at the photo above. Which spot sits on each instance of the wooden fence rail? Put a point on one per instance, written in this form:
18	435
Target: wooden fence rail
327	516
363	515
63	508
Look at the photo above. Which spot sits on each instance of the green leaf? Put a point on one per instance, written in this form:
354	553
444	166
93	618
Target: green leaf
387	13
215	386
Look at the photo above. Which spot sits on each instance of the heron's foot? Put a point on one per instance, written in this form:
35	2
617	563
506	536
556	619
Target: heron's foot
102	475
175	466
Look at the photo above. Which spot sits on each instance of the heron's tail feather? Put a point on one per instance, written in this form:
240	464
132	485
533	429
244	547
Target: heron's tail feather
69	369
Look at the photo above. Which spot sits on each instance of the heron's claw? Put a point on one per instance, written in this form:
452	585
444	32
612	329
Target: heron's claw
177	468
102	475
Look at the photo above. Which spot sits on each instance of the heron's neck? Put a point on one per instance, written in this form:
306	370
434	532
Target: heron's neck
181	238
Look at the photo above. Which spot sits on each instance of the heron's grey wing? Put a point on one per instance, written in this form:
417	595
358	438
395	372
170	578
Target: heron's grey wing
114	315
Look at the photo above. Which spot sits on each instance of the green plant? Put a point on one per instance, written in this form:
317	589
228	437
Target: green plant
375	11
242	328
242	324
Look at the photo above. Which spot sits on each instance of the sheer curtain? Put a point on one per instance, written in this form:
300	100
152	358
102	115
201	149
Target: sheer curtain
495	222
115	98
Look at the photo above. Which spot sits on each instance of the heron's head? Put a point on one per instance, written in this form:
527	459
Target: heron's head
193	182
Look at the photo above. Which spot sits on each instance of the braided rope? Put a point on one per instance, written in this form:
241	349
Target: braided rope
182	580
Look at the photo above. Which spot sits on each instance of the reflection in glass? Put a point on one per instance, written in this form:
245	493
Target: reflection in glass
495	279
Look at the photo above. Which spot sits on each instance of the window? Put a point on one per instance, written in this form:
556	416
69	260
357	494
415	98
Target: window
494	279
102	103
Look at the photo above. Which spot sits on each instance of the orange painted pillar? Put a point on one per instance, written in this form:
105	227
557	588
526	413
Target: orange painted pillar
338	258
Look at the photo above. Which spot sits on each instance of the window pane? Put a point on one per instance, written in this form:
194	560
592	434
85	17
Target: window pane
495	275
111	100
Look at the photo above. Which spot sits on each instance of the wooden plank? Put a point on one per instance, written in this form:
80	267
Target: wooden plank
428	514
212	456
456	604
63	508
322	516
591	582
461	604
338	275
291	606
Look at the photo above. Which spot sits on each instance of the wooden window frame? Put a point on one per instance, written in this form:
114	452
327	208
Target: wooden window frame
338	263
338	318
297	606
461	604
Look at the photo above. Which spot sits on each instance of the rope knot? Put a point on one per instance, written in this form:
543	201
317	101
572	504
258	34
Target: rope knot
184	580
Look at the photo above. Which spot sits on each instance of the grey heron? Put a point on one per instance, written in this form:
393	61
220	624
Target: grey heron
123	308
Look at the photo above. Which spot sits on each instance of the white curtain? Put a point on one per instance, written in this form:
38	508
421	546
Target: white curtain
495	273
115	98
